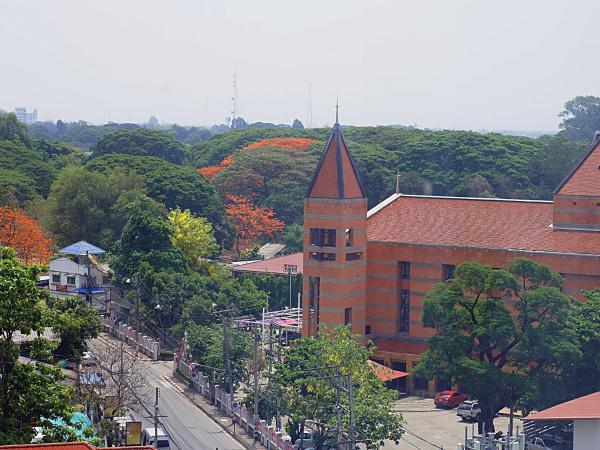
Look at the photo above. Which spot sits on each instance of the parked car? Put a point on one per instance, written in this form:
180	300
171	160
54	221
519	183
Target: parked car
469	410
161	441
449	399
536	443
306	440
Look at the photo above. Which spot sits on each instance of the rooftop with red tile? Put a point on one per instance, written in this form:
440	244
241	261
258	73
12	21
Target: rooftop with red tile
585	177
274	265
522	225
582	408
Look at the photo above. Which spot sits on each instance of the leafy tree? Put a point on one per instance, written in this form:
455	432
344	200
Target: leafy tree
198	135
19	231
30	163
206	346
277	287
555	157
585	323
87	205
293	238
142	142
251	222
188	297
272	177
75	321
499	354
28	391
145	239
192	235
581	118
306	392
16	188
11	129
174	186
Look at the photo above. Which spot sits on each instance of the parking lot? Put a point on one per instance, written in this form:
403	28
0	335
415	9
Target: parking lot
428	427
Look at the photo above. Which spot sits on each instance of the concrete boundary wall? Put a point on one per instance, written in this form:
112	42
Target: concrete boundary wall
127	334
265	434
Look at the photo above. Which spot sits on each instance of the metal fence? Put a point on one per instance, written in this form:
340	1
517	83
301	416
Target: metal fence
266	434
128	334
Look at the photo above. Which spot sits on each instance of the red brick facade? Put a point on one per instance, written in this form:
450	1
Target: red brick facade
375	272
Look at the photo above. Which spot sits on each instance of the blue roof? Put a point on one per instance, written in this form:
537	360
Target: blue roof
85	290
81	248
78	422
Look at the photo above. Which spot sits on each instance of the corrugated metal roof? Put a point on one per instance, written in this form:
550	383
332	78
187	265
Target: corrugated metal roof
586	407
275	265
81	248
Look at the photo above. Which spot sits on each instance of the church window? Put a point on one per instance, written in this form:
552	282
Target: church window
353	256
322	237
404	311
405	270
349	237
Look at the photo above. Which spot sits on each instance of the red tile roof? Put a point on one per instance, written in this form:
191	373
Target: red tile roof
273	265
476	223
585	178
586	407
385	373
336	175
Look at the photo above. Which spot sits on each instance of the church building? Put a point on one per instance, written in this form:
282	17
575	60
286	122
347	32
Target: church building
371	269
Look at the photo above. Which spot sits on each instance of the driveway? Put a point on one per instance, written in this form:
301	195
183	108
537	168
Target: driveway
428	427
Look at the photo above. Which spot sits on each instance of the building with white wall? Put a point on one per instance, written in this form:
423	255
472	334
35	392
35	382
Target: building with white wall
26	117
583	413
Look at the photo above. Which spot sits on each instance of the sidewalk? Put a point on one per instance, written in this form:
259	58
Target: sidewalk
212	411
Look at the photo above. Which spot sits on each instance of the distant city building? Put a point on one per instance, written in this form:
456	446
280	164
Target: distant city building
25	117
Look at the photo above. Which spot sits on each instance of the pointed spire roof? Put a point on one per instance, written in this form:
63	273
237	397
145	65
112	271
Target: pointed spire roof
336	175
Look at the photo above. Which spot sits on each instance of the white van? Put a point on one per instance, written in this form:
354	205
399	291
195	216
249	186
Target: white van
162	440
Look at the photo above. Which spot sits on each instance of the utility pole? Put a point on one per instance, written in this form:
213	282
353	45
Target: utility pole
228	373
137	318
156	415
338	407
351	408
256	356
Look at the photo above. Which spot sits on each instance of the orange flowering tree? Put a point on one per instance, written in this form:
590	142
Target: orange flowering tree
19	231
251	222
211	171
282	142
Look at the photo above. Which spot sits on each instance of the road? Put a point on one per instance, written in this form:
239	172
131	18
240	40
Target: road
188	427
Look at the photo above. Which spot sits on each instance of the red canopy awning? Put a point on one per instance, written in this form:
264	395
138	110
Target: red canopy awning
385	373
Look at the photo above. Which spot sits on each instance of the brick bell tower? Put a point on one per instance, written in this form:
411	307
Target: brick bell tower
335	242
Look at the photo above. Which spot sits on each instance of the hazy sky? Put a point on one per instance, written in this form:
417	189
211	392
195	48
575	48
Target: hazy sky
503	64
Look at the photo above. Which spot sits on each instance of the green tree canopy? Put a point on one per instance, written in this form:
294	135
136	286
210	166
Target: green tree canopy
28	391
30	163
75	321
11	129
174	186
275	177
499	354
142	142
585	323
303	382
88	205
581	118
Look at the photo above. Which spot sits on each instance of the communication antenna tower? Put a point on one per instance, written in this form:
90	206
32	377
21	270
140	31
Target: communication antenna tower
234	99
309	118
